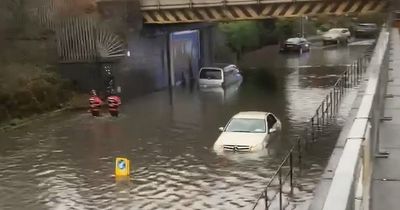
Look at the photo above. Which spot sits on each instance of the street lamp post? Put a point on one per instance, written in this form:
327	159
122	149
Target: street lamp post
302	22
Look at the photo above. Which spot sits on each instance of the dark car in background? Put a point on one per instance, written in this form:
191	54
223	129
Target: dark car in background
366	30
297	44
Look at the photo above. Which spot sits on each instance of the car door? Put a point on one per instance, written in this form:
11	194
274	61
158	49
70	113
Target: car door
274	123
346	33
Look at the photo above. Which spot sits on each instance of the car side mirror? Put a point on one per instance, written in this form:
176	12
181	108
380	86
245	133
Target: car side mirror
272	130
221	129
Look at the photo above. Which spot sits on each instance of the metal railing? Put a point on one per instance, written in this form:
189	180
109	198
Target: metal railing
350	185
325	112
284	172
330	105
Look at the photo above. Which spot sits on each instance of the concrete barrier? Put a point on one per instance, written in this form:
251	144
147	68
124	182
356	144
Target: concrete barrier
350	185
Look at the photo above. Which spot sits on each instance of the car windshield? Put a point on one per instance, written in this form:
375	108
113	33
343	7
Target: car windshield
210	74
246	125
293	40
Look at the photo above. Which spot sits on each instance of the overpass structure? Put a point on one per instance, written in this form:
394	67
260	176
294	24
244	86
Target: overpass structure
189	11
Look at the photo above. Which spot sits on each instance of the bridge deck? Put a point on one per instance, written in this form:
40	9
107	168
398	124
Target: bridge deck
190	11
386	177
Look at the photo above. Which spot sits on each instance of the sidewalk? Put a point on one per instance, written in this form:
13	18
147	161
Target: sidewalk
386	175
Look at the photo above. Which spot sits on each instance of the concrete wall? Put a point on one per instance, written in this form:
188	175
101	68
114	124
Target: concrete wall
147	67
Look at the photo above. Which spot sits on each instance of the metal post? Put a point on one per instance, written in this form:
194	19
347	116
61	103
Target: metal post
291	171
280	189
352	75
299	151
337	98
266	198
318	121
323	112
331	104
312	129
305	135
342	83
355	74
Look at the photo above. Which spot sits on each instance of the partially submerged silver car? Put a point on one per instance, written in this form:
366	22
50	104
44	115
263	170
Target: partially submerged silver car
221	75
247	132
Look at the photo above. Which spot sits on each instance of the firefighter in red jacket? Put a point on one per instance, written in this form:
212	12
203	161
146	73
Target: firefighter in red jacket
95	103
113	101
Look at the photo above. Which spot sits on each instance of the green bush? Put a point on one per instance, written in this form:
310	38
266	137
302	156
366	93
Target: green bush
27	89
242	35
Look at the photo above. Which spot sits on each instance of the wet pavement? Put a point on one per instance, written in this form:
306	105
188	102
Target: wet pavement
67	162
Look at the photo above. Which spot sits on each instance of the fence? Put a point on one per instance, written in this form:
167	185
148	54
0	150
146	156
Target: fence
281	175
331	103
325	112
350	186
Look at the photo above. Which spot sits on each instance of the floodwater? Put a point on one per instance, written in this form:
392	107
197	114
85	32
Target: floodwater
67	161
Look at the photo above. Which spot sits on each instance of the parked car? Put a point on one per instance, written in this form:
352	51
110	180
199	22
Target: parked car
367	30
299	45
221	75
247	131
336	36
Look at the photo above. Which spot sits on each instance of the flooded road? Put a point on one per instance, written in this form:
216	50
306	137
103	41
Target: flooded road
67	161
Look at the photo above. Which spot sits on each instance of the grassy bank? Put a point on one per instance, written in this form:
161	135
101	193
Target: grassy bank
27	89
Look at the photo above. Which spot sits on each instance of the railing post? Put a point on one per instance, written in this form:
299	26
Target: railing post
331	104
299	151
280	189
312	129
266	198
337	92
355	74
323	112
291	171
318	120
318	124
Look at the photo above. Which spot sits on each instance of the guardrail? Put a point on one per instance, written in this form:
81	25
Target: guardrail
331	103
351	182
325	112
282	176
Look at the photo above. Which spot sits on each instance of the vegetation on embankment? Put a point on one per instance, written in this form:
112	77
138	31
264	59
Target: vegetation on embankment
27	89
245	36
29	79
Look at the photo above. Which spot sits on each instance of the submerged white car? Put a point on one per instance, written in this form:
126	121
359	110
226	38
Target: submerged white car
247	131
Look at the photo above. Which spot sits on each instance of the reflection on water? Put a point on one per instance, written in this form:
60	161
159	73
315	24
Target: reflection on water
223	95
66	162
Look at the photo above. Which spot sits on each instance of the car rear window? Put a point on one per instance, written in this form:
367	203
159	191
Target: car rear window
210	74
365	25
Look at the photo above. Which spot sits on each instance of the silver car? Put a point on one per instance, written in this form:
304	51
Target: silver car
220	75
247	132
336	36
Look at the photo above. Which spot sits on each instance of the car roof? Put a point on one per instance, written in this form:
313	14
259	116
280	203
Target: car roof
221	66
339	29
251	115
